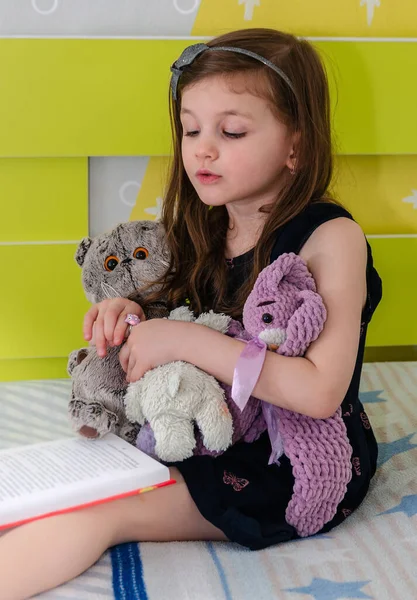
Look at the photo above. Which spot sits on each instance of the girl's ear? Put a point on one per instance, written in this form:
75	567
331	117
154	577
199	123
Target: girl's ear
292	157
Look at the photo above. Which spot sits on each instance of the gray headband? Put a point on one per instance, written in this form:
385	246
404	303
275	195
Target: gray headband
191	52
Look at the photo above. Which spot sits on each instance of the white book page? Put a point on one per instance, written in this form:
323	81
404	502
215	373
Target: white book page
59	474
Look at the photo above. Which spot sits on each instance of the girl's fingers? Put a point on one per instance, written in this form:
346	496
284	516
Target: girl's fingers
124	357
141	314
121	325
100	338
110	320
135	373
107	318
89	319
93	337
130	366
120	329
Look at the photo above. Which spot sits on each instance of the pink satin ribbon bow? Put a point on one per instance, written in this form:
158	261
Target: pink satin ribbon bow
246	374
248	368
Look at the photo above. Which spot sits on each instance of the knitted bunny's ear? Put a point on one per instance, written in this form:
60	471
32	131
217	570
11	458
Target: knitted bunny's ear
289	267
305	325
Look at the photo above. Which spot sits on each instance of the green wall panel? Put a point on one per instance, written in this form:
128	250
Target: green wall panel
394	322
41	313
43	199
96	97
33	368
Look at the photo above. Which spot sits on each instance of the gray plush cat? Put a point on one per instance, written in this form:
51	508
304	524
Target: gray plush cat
117	263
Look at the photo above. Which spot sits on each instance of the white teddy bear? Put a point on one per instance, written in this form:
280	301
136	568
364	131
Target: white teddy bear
172	397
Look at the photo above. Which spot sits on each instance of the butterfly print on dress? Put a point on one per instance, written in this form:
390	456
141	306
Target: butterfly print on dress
236	482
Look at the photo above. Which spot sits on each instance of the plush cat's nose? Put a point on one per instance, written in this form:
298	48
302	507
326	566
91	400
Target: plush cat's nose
126	261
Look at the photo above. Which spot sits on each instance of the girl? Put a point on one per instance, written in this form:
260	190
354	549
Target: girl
251	171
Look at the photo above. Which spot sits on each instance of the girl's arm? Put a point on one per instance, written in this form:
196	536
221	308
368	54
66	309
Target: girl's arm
315	385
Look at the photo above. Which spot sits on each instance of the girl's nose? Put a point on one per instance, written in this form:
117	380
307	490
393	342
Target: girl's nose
206	149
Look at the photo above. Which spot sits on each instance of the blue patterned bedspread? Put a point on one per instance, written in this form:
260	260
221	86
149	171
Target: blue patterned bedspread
372	555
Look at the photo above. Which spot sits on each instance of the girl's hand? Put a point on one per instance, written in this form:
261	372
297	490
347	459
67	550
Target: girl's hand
150	345
108	317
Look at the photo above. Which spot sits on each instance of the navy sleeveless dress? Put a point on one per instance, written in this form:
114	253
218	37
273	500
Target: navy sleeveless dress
253	514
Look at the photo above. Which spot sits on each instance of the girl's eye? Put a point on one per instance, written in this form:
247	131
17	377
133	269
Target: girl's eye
228	134
234	135
141	253
111	263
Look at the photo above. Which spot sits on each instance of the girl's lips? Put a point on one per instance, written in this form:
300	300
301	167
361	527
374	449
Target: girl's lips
207	177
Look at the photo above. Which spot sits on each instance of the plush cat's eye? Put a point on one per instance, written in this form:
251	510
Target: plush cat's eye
141	253
111	263
267	318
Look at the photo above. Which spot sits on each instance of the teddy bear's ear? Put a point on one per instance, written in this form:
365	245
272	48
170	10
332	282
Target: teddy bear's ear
305	325
155	227
82	250
182	313
218	321
159	230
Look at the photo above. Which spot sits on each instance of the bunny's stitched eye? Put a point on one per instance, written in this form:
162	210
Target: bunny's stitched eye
267	318
141	253
111	263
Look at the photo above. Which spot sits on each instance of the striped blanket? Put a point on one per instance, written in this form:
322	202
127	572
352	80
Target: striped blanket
372	555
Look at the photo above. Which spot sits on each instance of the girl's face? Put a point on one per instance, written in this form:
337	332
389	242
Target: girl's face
235	150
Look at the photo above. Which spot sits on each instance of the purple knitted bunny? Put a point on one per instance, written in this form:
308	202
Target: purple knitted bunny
285	313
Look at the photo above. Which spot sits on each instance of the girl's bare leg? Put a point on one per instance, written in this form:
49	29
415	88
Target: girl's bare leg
46	553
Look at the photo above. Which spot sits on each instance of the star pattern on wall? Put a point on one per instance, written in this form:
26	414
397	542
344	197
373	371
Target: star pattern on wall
411	199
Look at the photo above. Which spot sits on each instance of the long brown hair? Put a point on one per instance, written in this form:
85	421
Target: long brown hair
196	235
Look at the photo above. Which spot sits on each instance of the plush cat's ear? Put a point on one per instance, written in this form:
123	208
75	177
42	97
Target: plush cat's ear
82	250
159	236
75	358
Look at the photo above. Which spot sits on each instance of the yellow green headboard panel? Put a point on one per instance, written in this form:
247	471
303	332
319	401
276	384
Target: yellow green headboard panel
394	322
33	368
42	310
43	199
95	97
381	191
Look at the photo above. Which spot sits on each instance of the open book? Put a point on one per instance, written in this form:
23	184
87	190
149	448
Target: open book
49	478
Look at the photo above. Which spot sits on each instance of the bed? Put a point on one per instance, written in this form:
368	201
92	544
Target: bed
372	555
